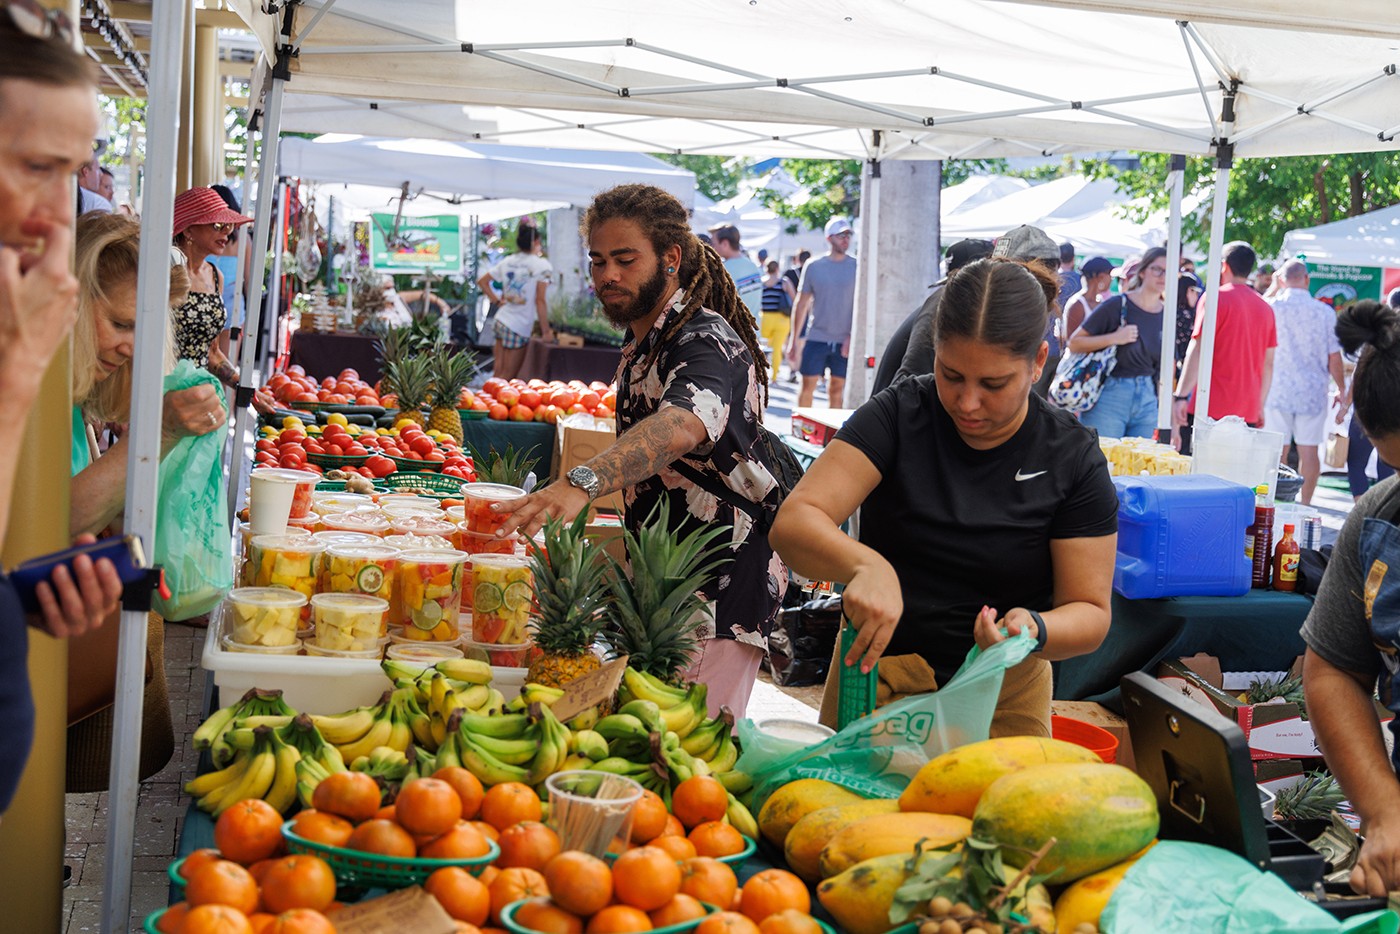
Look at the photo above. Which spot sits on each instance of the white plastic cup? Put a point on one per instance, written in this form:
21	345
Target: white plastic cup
588	809
270	503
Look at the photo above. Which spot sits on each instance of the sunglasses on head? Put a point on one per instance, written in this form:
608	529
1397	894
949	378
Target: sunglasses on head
34	20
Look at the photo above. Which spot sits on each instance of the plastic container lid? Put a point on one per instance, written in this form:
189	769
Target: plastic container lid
230	646
347	498
387	499
273	597
488	559
368	522
368	551
433	556
491	491
314	649
336	537
393	511
422	525
428	653
397	637
410	542
302	543
456	513
797	731
350	602
289	475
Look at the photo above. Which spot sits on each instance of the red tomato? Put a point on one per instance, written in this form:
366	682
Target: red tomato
290	461
356	450
335	450
435	456
291	435
508	396
328	382
265	444
422	445
296	370
522	413
530	397
314	447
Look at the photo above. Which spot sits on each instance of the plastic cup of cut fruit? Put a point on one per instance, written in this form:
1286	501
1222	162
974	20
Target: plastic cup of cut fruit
231	646
392	511
348	622
411	542
369	523
423	525
499	656
290	561
309	524
479	498
456	513
305	482
263	616
332	537
486	543
503	591
373	652
329	504
428	594
363	569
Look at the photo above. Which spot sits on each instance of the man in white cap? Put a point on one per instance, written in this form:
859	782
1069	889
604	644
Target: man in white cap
828	292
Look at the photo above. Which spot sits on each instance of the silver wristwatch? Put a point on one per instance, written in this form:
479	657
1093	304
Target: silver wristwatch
585	480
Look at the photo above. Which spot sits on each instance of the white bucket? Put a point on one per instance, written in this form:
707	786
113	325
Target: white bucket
1231	450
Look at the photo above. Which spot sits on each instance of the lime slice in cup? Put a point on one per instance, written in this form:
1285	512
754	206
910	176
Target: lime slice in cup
487	598
427	616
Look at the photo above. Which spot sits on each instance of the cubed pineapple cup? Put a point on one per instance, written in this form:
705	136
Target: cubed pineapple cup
263	616
347	622
428	595
503	592
362	569
290	561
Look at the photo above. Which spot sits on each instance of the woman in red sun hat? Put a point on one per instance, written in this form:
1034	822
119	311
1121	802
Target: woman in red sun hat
202	225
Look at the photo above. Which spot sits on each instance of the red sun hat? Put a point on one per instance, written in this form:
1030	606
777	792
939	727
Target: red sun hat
203	206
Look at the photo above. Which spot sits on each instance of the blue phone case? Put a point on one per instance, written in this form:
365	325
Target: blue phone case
124	552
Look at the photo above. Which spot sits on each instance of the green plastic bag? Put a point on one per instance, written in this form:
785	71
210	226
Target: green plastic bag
192	533
876	756
1207	890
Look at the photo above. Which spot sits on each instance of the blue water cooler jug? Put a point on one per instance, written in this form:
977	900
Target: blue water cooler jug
1182	536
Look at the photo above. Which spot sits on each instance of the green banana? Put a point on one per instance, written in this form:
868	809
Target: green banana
471	670
741	819
396	670
309	773
704	737
621	726
516	704
219	721
734	781
575	762
448	752
540	694
502	726
283	792
425	761
511	751
590	744
584	719
383	762
240	738
620	766
487	767
642	686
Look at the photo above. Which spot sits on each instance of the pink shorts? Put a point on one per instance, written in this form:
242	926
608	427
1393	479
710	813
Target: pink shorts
729	669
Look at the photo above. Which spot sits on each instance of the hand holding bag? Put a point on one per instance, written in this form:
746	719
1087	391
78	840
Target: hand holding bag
1080	377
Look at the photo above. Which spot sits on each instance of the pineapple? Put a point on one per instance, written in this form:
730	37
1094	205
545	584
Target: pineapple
1315	796
510	468
570	592
451	371
1286	689
409	379
654	614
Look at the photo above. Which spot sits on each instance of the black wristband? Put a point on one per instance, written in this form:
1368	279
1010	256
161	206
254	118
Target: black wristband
1039	630
1186	398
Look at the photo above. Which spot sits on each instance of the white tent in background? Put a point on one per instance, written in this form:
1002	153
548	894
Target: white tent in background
760	227
1371	239
979	189
358	202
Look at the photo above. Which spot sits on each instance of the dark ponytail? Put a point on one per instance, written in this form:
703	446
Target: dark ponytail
1002	302
526	235
1375	388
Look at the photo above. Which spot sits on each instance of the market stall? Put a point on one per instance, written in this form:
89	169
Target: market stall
318	352
547	361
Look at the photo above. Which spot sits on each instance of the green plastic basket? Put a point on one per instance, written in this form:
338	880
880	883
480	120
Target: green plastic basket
368	870
152	920
855	691
173	872
734	859
309	406
471	415
331	461
508	921
409	465
338	486
427	484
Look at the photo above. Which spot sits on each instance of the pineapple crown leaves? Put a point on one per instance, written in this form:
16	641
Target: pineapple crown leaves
510	468
571	588
451	371
1315	795
654	614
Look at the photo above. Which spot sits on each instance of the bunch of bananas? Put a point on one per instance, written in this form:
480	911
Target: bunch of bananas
522	746
453	684
258	707
268	762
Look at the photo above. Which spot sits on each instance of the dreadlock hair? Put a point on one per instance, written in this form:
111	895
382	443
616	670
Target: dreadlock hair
702	274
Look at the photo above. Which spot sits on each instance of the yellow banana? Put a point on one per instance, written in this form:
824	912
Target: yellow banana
377	735
439	730
256	781
283	793
647	687
740	818
495	703
205	784
728	754
576	762
474	697
540	694
682	719
343	729
705	737
471	670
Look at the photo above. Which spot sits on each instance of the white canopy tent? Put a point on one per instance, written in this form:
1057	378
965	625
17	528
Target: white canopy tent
977	190
1371	239
916	79
357	202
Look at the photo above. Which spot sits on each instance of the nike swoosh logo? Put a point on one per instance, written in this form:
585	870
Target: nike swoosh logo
1028	476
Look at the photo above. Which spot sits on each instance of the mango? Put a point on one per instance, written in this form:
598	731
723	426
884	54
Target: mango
953	782
1098	815
1084	902
860	898
886	834
804	843
794	801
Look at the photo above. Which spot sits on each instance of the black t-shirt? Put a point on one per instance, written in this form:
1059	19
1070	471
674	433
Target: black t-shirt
1143	356
965	528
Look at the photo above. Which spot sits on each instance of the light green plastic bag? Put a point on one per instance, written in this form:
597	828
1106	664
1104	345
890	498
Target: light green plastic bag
1207	890
876	756
192	533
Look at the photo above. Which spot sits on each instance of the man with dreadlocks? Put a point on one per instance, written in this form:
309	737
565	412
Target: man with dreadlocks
688	415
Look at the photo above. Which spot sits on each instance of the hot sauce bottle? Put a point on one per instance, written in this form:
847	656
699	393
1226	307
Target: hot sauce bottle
1286	557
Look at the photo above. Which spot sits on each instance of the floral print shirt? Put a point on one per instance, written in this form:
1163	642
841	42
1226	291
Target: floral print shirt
706	369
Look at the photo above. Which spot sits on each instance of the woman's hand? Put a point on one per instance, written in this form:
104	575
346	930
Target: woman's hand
873	604
38	303
71	603
1127	334
988	630
263	402
193	411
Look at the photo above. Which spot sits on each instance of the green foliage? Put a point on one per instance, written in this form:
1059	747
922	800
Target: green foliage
1267	196
717	177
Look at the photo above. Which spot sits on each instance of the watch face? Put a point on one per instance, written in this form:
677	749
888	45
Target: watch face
584	479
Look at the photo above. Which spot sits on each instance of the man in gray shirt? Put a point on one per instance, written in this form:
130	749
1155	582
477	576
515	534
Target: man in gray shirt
828	293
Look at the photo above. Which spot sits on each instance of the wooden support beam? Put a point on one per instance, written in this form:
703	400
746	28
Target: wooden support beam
141	13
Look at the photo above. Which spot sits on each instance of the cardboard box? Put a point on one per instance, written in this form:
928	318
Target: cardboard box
1273	730
569	340
1103	718
604	530
574	446
818	426
1278	774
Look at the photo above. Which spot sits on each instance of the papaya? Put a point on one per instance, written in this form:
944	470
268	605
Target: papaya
804	843
1098	814
1084	902
952	783
860	898
794	801
889	833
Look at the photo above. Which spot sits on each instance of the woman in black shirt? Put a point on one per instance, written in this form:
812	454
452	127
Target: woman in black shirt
984	510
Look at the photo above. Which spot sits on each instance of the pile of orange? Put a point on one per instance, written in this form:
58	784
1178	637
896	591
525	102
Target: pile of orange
693	827
247	886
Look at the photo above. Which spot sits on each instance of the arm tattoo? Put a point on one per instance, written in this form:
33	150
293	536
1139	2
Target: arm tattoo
644	449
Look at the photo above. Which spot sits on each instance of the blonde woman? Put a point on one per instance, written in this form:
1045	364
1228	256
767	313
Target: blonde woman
103	343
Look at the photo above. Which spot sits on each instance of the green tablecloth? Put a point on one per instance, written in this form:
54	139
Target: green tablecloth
484	434
1255	632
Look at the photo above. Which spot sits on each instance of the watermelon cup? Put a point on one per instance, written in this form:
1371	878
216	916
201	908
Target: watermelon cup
362	569
486	543
370	523
428	595
503	590
478	499
290	561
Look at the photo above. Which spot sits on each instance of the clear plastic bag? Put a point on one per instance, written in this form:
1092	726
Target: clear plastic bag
192	531
876	756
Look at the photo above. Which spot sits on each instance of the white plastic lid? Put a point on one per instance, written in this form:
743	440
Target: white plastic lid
287	474
302	543
355	521
335	537
491	491
433	556
411	542
501	561
274	597
425	652
422	525
353	602
314	649
367	551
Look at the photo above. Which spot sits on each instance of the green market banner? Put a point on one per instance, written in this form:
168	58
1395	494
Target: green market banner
1339	285
419	243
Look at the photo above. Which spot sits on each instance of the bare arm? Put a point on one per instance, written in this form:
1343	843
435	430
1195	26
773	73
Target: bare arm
808	536
484	283
1334	366
1190	365
1083	572
799	317
542	310
1265	379
1338	702
641	452
1081	342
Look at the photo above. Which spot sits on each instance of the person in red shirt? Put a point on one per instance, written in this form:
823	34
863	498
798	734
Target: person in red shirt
1244	347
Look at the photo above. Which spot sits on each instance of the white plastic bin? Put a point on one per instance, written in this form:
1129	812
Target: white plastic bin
1231	450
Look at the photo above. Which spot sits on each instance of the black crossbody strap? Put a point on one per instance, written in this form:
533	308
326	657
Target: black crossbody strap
755	511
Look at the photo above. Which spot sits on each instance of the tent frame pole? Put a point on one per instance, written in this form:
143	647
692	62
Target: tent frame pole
1225	157
143	459
274	300
869	257
1166	378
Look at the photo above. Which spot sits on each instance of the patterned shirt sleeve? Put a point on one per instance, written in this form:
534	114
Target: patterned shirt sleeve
699	378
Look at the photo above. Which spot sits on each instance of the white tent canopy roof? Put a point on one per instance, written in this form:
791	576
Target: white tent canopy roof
939	78
1371	239
979	189
480	171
